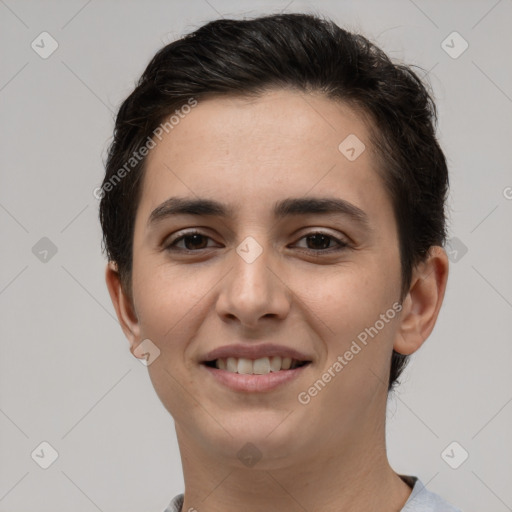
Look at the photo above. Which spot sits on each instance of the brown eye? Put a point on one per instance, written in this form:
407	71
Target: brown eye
193	241
320	242
316	242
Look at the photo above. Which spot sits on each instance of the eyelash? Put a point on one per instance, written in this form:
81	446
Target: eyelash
342	245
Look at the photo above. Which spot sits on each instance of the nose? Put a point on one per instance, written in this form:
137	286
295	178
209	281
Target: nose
253	290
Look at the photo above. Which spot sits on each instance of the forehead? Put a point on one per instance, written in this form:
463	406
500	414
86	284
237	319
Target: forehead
272	127
253	151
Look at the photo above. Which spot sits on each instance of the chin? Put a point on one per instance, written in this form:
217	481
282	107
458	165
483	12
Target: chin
269	437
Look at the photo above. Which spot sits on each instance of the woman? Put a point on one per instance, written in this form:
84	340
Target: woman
273	212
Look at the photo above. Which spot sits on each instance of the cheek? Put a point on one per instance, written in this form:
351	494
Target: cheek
168	307
347	299
359	321
166	301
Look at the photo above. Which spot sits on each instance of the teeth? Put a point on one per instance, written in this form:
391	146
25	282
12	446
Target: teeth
260	366
275	363
231	365
244	366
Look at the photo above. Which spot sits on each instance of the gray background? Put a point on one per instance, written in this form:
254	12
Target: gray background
66	374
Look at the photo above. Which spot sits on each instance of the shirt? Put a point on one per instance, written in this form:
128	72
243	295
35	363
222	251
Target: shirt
420	499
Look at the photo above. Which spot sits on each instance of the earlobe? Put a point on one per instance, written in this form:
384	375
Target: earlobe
123	305
422	304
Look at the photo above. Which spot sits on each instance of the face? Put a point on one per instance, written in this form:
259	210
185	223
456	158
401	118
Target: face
265	282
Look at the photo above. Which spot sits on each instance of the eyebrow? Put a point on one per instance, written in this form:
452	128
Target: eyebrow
284	208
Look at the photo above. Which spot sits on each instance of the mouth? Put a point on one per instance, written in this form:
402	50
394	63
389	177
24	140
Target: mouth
260	366
255	368
265	374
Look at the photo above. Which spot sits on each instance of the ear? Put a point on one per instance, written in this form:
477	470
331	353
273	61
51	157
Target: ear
123	305
422	304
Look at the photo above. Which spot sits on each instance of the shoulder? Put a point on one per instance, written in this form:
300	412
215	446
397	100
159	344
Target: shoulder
176	504
420	500
423	500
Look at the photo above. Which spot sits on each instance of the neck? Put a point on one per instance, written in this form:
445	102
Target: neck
339	475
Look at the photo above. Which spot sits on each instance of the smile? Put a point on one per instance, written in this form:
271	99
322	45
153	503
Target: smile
259	366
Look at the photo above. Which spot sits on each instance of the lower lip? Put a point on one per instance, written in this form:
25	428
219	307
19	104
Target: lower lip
254	383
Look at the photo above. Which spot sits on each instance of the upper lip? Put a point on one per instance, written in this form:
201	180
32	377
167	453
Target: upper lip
254	352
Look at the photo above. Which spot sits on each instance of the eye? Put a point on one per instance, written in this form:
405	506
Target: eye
195	241
320	240
192	240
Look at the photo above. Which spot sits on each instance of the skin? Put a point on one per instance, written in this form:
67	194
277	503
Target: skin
330	454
